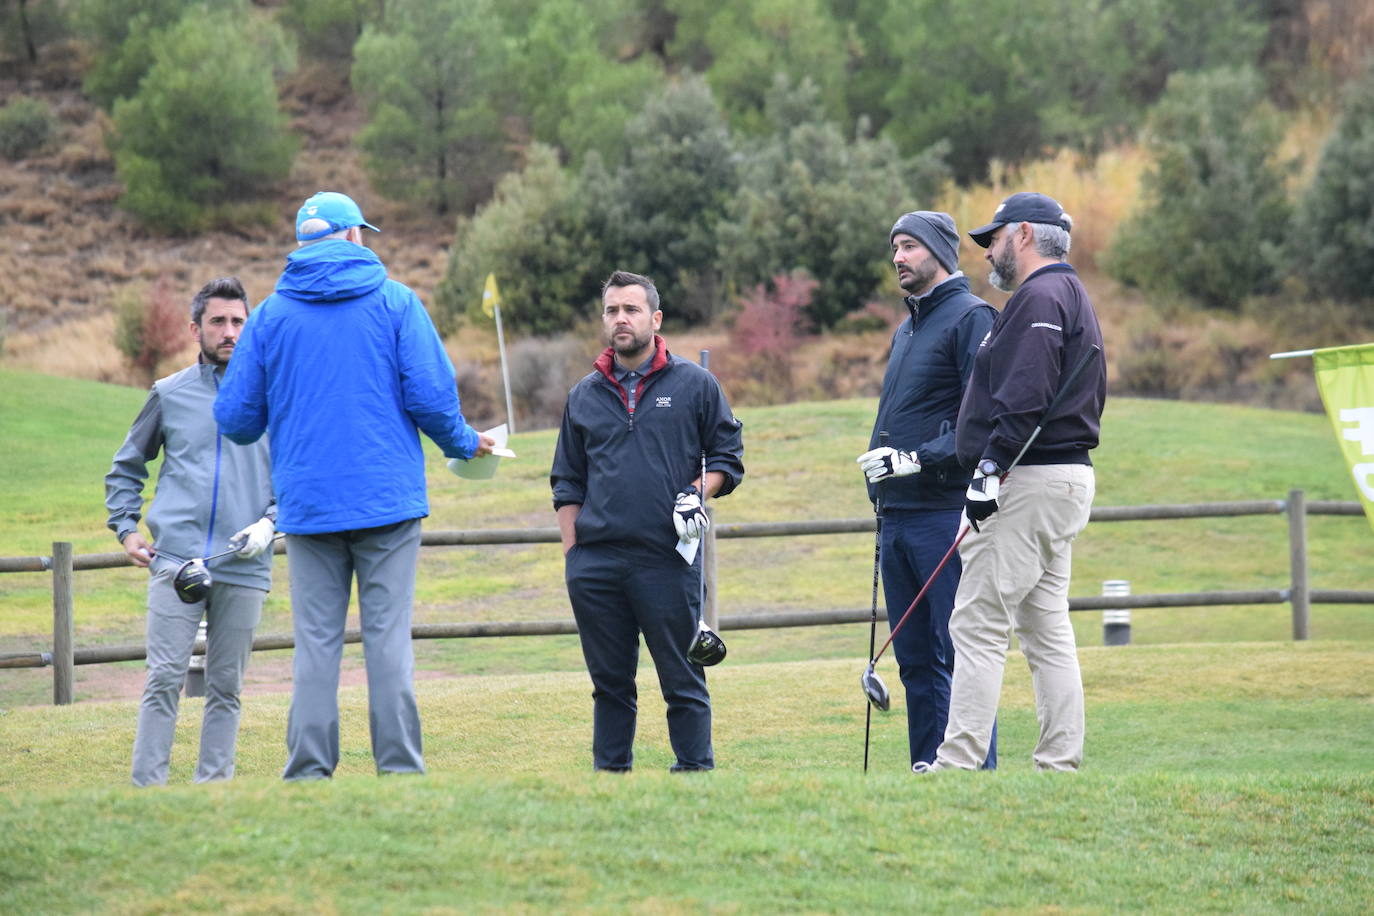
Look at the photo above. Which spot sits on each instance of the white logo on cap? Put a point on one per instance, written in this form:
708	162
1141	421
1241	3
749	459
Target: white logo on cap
313	210
1000	208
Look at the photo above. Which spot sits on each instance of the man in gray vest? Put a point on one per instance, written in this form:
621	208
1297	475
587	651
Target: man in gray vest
212	495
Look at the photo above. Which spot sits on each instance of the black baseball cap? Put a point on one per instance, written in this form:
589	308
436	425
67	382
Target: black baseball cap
1023	207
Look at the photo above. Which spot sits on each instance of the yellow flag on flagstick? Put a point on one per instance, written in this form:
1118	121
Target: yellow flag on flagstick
1345	378
491	296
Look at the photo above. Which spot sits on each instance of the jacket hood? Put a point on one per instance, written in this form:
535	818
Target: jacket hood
331	270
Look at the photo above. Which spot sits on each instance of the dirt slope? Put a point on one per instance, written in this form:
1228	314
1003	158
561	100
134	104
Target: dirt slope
68	253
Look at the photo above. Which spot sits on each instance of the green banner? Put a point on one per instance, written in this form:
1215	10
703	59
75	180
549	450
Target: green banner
1345	378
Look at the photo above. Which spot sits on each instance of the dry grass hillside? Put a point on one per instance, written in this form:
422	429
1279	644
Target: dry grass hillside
69	255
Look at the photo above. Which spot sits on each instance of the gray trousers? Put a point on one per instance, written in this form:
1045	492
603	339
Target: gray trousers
322	568
231	613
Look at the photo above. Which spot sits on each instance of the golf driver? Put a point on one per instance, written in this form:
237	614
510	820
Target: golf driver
873	686
707	647
192	581
877	690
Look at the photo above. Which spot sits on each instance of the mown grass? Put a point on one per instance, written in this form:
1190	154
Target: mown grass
1219	778
58	436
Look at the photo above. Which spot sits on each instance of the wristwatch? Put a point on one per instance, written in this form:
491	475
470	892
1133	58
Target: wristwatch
989	468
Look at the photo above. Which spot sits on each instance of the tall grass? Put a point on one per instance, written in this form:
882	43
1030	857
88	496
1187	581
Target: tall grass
1097	193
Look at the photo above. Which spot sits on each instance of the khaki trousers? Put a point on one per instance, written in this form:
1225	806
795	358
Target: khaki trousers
1016	574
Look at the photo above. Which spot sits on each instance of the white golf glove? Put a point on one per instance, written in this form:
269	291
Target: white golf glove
256	538
689	518
885	462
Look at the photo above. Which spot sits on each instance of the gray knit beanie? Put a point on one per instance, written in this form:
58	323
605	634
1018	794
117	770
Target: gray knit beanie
935	231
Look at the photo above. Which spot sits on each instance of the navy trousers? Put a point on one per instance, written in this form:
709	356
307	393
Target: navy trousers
913	544
617	593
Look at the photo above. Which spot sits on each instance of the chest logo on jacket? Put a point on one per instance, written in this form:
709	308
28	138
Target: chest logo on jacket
664	402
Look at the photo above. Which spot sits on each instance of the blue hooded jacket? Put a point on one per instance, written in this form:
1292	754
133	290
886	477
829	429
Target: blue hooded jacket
343	367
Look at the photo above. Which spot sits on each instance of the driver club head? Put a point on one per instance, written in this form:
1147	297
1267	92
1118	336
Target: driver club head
192	582
875	689
707	648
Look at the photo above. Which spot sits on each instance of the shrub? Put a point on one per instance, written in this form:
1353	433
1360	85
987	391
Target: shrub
810	198
542	370
770	323
433	79
26	126
147	331
533	219
195	138
1334	230
124	34
1215	214
328	29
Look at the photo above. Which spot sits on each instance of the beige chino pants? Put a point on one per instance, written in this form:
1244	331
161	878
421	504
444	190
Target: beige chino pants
1016	575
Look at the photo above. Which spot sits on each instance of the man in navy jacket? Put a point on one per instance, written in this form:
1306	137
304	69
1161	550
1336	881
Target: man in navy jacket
344	368
916	475
628	489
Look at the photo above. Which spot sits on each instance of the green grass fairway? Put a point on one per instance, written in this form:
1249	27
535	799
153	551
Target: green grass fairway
57	437
1219	778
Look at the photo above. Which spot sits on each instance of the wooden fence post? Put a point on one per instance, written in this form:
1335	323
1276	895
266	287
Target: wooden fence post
1299	593
63	628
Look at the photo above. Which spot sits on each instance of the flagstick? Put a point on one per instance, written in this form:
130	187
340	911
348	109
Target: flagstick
1296	353
505	370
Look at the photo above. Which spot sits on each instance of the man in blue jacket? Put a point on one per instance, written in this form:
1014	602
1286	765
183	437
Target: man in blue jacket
210	494
343	368
627	488
916	474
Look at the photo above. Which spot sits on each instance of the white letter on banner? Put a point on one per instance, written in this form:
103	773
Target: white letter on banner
1362	474
1363	433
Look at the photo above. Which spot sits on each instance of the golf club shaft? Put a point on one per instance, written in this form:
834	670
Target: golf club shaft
873	614
224	553
1069	383
705	364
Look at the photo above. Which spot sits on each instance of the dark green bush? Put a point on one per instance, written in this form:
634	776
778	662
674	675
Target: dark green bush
1333	239
26	126
196	139
1215	213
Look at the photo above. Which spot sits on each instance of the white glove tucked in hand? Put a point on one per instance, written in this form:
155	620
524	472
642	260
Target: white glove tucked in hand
689	518
256	538
885	462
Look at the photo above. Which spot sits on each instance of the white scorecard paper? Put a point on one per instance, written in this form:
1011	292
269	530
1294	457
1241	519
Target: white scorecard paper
484	468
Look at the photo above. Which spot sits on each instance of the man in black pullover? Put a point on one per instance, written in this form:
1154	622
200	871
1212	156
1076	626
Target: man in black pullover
628	489
1018	559
916	476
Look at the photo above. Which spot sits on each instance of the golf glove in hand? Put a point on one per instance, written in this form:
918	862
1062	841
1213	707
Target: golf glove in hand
689	518
980	501
256	538
885	462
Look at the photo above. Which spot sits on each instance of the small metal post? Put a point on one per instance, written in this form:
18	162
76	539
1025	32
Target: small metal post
1298	595
194	685
63	628
1116	622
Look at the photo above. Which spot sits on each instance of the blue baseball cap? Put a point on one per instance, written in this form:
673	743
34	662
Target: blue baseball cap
1023	207
338	210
